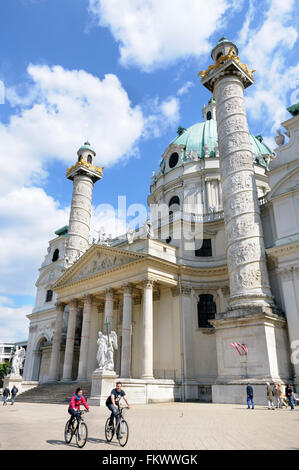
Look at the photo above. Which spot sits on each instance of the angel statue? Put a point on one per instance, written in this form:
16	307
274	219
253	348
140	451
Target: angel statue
17	361
102	350
111	346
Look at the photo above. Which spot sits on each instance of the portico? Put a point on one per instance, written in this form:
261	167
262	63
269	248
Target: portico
130	293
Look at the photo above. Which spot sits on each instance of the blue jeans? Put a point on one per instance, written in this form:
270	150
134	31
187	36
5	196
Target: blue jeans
13	399
74	414
291	402
115	413
250	399
4	400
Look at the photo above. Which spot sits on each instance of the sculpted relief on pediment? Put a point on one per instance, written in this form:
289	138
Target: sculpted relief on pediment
101	263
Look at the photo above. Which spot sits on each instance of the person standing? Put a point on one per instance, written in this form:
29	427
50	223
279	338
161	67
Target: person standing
289	395
14	391
6	394
270	397
279	395
249	391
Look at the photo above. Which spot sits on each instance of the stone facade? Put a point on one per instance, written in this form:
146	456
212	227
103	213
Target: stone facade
175	302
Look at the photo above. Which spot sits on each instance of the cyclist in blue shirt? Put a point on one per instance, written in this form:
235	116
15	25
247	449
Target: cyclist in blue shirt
113	400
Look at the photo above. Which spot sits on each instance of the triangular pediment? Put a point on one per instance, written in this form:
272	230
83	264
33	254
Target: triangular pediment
289	183
97	260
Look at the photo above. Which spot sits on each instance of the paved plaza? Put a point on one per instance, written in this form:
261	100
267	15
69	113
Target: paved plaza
195	426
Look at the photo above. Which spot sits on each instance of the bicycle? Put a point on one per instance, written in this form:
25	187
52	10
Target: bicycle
79	428
122	431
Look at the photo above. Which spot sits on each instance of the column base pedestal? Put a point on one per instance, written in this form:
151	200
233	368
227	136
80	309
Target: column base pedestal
138	391
101	385
22	385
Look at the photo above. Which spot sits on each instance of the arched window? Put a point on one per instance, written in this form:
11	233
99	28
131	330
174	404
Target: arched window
89	159
209	115
173	160
55	255
49	295
206	248
206	310
175	200
219	55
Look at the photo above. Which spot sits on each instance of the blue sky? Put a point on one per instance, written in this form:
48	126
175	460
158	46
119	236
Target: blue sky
122	73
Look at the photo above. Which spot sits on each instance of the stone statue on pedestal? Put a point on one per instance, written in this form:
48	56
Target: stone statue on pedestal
17	361
106	346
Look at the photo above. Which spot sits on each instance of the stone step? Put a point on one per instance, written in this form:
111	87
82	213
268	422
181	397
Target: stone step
54	393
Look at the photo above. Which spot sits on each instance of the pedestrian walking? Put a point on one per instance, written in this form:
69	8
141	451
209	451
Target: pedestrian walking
6	394
249	391
270	397
14	391
279	394
289	395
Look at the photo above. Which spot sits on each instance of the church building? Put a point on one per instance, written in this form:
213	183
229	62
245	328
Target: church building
204	298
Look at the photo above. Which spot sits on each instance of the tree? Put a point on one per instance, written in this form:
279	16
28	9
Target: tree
4	370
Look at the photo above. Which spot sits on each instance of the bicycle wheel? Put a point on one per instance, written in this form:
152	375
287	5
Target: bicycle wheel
109	433
81	434
123	434
68	432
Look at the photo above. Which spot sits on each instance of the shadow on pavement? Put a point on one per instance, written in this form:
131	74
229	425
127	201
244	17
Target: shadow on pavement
60	443
94	440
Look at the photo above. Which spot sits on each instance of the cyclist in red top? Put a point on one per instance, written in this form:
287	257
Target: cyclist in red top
74	406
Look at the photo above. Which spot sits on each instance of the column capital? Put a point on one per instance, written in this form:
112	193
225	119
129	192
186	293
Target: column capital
109	291
128	288
186	289
73	303
148	283
60	306
88	299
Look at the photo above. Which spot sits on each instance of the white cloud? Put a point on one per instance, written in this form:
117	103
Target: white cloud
13	323
265	48
61	109
185	88
29	218
155	33
163	114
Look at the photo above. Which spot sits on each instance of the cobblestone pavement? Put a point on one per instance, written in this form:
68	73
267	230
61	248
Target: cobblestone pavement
194	426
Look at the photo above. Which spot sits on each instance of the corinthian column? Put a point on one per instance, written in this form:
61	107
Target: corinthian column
82	370
126	333
148	352
108	309
70	340
245	244
55	354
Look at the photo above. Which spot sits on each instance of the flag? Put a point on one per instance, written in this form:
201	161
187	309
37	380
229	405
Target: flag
240	348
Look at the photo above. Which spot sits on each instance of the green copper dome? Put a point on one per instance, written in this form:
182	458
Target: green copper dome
86	146
202	134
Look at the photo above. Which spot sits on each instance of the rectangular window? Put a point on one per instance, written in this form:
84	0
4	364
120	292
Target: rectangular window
206	248
49	295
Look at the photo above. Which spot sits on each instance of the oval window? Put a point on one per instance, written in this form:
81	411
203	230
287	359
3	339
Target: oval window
173	160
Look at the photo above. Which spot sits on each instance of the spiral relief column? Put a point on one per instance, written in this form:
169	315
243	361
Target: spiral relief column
245	244
251	317
83	174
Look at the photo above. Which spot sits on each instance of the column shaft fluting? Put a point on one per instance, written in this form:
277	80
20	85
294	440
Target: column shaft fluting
126	333
83	358
147	358
70	341
55	354
108	310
